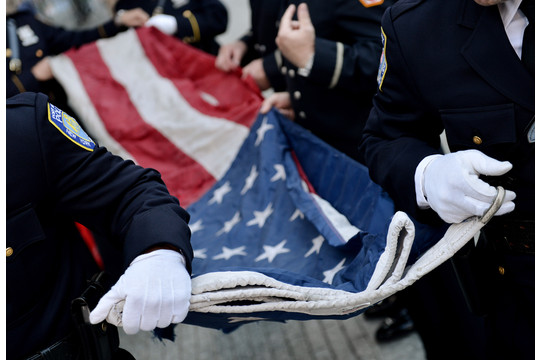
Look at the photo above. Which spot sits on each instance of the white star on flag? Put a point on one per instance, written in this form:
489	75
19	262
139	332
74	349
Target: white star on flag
228	253
199	253
230	224
219	193
261	131
317	243
297	214
270	252
196	226
261	216
329	274
250	180
280	173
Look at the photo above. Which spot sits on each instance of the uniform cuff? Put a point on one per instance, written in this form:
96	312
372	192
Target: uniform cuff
421	199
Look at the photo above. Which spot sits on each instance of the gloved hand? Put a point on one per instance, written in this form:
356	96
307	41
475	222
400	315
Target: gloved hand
165	23
154	291
453	189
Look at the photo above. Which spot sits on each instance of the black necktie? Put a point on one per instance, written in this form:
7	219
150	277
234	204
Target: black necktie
527	52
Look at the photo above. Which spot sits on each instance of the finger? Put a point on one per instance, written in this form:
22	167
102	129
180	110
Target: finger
236	57
285	22
103	307
288	113
479	189
489	166
303	15
266	105
506	208
115	314
131	317
509	196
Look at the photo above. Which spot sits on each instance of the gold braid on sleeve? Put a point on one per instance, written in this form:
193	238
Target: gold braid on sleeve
194	26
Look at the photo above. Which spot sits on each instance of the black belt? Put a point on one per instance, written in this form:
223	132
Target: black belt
511	235
61	350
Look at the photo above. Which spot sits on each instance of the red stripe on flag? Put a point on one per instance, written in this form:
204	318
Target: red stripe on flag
184	177
192	72
302	173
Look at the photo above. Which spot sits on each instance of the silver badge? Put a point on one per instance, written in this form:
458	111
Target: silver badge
27	35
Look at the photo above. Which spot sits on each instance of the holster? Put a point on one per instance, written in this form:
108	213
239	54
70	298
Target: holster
99	341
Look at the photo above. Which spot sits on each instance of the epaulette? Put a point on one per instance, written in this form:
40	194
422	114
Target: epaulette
403	6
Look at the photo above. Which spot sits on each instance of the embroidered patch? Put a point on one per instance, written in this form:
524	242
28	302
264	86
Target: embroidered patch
370	3
27	36
70	128
530	134
382	64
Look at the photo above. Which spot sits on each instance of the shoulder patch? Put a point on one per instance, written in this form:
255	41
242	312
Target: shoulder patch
370	3
383	65
68	126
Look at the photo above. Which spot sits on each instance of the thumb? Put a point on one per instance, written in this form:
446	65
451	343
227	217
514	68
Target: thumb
486	165
104	306
303	15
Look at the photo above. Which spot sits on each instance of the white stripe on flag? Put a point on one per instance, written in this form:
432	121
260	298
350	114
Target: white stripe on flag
161	105
339	222
78	99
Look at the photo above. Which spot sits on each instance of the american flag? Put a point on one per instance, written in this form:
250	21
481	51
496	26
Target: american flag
283	225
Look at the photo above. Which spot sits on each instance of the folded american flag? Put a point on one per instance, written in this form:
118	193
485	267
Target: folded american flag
283	225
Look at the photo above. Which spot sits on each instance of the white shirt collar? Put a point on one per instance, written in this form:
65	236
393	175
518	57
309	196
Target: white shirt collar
508	10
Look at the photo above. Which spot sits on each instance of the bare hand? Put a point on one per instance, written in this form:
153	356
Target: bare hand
42	70
281	101
230	55
255	69
133	18
296	39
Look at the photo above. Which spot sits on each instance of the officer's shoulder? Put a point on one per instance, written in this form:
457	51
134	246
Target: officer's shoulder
403	6
27	99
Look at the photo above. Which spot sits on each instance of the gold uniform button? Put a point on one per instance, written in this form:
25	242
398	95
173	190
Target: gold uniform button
477	140
297	95
39	53
501	270
9	251
8	52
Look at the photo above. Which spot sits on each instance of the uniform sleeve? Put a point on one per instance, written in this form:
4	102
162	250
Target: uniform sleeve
60	40
272	64
400	130
201	19
115	198
351	63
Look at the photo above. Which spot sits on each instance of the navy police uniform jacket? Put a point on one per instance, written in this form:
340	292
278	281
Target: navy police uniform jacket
36	40
454	70
334	100
261	39
199	21
57	175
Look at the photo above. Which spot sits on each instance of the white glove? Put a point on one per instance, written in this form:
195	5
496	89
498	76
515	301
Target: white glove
164	23
154	291
452	187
